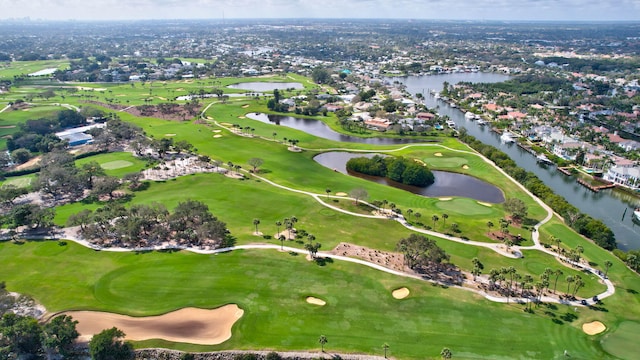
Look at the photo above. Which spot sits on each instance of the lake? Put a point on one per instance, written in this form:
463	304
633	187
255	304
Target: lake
266	86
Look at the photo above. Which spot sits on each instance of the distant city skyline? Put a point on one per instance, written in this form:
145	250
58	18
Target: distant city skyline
516	10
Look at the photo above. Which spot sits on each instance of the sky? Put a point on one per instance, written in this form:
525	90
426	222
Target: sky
537	10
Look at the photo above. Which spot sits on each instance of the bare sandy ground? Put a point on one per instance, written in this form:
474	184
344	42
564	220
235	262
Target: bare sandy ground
593	328
400	293
315	301
188	325
31	163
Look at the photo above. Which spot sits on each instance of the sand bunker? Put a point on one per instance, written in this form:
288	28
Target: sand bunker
341	194
242	117
593	328
188	325
316	301
217	131
245	106
169	134
437	154
485	204
400	293
465	167
445	198
217	136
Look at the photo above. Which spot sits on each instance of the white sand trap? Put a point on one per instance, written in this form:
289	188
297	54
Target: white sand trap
242	117
465	167
341	194
445	198
226	124
259	233
188	325
485	204
169	134
245	106
217	131
400	293
217	136
180	89
593	328
437	154
315	301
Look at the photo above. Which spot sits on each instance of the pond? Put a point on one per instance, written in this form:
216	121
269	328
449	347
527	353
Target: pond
266	86
446	183
322	130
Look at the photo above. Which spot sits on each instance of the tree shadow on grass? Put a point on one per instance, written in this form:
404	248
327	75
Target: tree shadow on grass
569	317
323	261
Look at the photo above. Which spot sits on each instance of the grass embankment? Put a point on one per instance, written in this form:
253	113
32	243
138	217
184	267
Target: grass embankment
272	287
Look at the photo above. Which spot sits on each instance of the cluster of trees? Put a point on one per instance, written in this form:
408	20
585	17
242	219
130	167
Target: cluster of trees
23	337
398	169
190	224
527	84
38	135
421	254
584	224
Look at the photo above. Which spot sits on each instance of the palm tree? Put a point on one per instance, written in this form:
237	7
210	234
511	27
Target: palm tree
607	265
311	237
444	219
435	219
557	273
476	272
446	353
256	222
385	346
569	279
322	340
274	135
417	215
278	224
489	225
409	212
281	238
328	191
384	203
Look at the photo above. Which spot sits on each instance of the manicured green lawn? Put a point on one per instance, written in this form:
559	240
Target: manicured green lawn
623	341
115	163
272	286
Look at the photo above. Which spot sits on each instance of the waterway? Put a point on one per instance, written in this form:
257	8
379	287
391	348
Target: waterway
605	205
446	183
266	86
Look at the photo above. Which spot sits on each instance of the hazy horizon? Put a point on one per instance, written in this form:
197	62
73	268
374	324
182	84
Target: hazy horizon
480	10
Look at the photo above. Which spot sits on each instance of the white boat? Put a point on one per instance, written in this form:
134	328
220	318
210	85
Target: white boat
542	158
451	124
481	122
469	115
636	214
506	138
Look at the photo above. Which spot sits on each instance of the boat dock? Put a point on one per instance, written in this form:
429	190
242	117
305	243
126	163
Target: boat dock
526	148
564	170
595	188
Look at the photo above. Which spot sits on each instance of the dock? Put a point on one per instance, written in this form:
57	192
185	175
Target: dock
564	170
526	148
595	188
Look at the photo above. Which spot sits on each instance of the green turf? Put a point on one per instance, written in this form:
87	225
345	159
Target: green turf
464	206
445	162
20	182
623	341
272	286
117	164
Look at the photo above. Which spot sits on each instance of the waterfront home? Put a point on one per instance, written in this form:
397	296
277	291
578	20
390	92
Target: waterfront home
567	150
624	176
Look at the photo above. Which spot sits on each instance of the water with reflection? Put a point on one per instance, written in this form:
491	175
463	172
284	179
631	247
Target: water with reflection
320	129
266	86
446	183
606	205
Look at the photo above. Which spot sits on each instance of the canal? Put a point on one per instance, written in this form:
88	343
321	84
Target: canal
605	205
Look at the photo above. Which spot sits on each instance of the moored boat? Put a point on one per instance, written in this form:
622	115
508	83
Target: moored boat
636	214
469	115
506	138
542	158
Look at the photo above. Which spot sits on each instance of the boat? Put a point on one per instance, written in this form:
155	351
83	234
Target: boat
469	115
481	122
542	158
507	138
451	124
636	214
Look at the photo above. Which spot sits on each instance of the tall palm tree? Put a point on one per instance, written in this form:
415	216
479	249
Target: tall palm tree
444	219
490	225
256	222
322	340
409	212
557	273
569	279
282	239
607	265
435	219
278	224
385	346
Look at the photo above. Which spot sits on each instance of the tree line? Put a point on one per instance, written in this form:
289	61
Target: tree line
584	224
398	169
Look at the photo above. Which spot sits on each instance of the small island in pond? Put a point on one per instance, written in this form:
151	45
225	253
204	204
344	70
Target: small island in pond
398	169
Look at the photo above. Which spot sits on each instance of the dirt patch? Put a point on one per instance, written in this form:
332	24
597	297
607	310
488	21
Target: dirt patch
29	164
188	325
593	328
389	260
315	301
437	154
234	175
400	293
341	194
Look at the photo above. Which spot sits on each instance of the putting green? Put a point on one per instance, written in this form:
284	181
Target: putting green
18	182
446	162
623	341
464	206
117	164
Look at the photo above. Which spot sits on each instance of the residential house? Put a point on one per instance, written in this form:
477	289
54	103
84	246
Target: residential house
624	176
